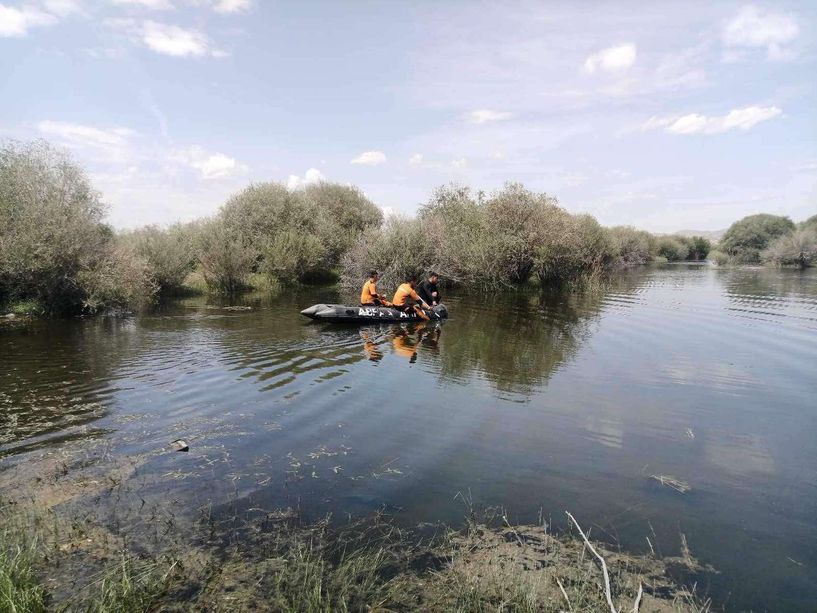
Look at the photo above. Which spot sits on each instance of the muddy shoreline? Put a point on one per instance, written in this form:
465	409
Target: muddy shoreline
96	530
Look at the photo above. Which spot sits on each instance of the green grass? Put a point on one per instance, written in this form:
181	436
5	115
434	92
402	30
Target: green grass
20	590
23	308
131	586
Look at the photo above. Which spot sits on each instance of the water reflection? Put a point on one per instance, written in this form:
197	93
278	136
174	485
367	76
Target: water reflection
517	342
556	400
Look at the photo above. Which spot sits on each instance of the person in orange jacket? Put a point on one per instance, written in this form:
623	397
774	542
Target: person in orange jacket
407	299
369	295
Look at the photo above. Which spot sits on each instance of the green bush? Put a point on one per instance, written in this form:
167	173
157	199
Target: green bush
798	248
168	252
474	239
699	247
629	246
296	235
672	248
54	248
718	257
121	278
290	256
225	257
810	223
745	239
401	247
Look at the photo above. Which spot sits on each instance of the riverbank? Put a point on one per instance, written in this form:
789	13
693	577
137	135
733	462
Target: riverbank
80	532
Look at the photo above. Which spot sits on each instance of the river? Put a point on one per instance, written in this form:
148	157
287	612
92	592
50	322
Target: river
534	402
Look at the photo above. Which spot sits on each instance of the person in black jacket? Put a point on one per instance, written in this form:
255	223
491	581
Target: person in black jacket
429	291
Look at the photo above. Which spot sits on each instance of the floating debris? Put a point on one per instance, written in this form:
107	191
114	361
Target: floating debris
237	308
690	433
677	484
180	445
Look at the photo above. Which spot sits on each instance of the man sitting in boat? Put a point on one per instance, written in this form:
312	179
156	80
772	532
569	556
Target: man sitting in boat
429	291
406	299
369	295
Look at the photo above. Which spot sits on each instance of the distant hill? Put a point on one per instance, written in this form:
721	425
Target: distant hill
713	235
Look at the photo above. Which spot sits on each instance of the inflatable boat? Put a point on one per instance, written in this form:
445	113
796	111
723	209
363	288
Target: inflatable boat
339	313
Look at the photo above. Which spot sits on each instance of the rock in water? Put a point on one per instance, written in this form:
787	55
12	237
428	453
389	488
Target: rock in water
179	445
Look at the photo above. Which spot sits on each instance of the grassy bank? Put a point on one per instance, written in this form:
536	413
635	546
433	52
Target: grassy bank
49	562
78	533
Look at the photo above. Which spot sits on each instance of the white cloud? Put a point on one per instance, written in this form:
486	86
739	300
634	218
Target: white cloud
612	59
209	165
155	5
754	27
416	159
15	23
370	158
111	143
62	7
173	40
231	6
313	175
487	115
459	163
695	123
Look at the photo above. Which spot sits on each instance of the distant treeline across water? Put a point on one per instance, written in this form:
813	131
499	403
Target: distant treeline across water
58	256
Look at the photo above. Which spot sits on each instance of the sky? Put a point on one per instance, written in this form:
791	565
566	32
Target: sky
662	115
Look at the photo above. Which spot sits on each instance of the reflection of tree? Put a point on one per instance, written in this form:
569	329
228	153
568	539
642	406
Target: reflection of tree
55	377
517	341
768	284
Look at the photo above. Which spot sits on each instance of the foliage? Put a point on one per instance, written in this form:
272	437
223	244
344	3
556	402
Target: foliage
798	248
289	256
810	223
745	239
629	246
52	238
672	248
398	249
225	257
120	278
294	235
699	247
719	257
168	253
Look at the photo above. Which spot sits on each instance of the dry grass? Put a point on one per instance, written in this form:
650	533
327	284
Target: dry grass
673	482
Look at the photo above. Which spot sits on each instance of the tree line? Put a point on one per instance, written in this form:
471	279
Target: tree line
58	256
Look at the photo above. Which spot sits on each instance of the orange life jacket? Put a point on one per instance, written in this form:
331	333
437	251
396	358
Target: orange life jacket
403	293
369	293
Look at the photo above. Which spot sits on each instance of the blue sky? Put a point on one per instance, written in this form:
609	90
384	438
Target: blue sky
662	115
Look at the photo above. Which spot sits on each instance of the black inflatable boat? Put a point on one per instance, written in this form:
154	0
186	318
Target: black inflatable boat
339	313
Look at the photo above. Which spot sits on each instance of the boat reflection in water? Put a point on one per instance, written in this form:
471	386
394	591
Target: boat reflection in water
405	340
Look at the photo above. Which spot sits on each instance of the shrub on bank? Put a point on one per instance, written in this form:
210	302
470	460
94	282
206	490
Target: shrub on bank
747	238
630	246
671	248
397	249
289	235
168	253
54	248
798	248
505	238
718	257
225	257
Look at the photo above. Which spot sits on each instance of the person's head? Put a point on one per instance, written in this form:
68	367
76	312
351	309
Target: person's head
373	275
433	277
411	280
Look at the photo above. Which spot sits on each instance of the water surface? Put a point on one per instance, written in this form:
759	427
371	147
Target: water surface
528	401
